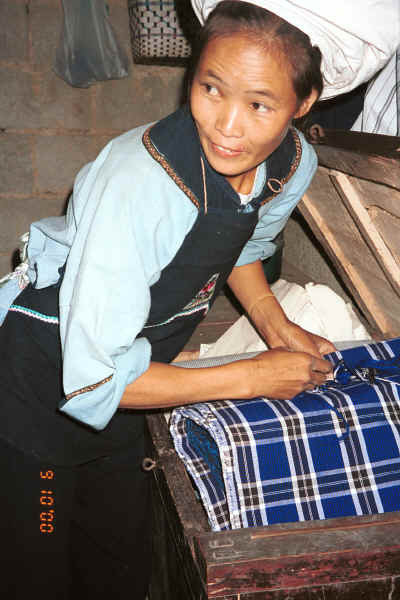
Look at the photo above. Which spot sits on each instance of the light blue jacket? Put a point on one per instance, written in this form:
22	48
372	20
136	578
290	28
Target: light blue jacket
125	222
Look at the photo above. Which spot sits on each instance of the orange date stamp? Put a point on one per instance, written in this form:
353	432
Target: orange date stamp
47	502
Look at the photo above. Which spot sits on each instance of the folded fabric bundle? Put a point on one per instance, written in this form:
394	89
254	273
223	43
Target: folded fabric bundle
332	452
356	38
381	111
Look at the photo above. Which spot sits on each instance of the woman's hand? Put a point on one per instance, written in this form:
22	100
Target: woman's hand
251	288
277	373
282	374
294	337
293	365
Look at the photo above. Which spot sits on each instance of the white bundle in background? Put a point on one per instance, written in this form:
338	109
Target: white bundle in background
315	307
356	37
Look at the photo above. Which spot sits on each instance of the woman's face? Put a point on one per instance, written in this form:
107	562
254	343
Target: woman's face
242	100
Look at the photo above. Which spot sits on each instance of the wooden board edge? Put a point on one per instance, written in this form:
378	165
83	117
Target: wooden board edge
189	509
360	548
349	275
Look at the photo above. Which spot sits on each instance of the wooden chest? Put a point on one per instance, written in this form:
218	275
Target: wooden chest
353	208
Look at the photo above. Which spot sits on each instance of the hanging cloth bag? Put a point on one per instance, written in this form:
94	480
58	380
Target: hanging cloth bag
88	50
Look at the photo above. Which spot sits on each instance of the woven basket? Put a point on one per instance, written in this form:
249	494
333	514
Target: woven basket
160	31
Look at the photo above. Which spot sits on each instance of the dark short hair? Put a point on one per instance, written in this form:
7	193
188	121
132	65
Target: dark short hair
233	16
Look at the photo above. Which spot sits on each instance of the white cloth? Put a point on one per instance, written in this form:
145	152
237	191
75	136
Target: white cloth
315	307
381	111
356	37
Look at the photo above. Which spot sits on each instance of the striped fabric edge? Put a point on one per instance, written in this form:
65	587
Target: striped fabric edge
200	414
34	314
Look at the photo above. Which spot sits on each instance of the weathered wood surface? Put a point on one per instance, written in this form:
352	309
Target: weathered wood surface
191	514
178	518
370	156
353	209
300	555
358	208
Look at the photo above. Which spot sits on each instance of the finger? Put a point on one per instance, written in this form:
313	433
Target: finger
183	356
310	347
321	365
318	378
325	347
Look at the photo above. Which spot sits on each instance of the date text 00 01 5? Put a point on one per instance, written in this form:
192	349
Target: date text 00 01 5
47	500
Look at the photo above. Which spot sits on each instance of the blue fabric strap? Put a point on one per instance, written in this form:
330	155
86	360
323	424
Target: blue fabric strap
366	371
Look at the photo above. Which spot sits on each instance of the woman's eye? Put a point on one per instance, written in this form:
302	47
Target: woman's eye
258	107
210	89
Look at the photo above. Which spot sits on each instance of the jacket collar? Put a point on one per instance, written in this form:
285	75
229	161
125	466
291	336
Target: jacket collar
174	143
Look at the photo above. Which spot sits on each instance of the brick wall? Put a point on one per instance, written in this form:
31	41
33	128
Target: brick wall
49	129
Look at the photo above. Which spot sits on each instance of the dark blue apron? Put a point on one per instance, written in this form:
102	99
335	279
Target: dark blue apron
189	285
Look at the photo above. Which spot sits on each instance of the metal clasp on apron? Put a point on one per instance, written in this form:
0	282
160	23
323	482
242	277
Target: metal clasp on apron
148	464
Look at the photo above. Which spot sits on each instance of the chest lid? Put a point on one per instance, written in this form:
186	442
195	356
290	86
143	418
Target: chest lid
353	208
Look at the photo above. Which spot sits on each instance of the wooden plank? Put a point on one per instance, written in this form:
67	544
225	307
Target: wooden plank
389	227
373	238
178	577
191	514
323	209
293	556
383	206
374	589
379	195
178	516
329	204
365	144
368	156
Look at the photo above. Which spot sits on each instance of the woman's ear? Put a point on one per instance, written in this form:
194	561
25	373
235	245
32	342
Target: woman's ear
306	105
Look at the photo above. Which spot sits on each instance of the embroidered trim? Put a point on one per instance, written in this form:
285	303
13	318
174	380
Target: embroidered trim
34	314
205	294
201	301
167	167
179	182
183	313
293	168
88	388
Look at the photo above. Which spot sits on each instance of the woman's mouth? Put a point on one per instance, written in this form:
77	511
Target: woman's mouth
225	152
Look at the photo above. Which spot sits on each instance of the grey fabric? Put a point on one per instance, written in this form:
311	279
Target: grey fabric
214	361
217	361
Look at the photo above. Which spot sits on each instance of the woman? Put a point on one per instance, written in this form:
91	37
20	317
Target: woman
157	224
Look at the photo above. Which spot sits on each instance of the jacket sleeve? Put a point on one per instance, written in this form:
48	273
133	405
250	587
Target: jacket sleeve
274	214
124	238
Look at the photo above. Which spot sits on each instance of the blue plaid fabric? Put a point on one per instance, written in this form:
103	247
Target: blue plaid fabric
332	452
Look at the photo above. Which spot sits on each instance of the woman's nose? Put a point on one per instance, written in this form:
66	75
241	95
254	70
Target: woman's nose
229	121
